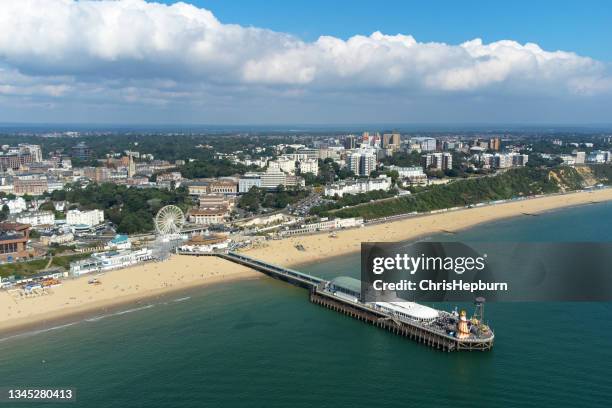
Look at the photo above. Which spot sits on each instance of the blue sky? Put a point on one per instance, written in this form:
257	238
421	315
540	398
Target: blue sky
306	62
581	26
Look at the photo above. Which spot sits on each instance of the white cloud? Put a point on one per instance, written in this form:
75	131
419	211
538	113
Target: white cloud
137	52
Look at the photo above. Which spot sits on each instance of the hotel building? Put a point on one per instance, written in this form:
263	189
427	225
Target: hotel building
88	218
358	186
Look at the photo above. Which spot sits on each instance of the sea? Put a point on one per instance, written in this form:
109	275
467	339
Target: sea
260	343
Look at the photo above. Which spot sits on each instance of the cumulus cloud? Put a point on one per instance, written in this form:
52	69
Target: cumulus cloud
138	52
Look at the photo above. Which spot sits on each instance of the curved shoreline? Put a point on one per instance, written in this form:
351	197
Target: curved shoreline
320	246
75	299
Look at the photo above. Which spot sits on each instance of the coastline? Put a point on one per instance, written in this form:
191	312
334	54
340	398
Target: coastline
75	298
133	286
319	246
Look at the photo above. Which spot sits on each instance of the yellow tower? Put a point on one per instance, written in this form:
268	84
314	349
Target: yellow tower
463	330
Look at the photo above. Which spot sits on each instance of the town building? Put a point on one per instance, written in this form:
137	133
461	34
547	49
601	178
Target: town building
205	244
437	161
56	238
208	216
30	185
391	140
216	200
358	186
426	144
567	159
142	181
324	225
213	186
599	156
85	218
14	161
97	174
16	205
36	218
224	186
197	187
414	175
309	153
284	163
349	142
106	261
309	166
332	152
81	151
519	160
13	241
503	160
174	176
580	157
494	144
248	181
33	150
361	163
120	242
272	178
294	181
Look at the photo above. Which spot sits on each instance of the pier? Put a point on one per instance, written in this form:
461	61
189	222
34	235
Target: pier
433	333
414	331
278	272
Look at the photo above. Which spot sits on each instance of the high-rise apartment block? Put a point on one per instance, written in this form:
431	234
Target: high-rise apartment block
362	163
437	161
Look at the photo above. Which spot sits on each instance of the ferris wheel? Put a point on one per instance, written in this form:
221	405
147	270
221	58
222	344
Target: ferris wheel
169	220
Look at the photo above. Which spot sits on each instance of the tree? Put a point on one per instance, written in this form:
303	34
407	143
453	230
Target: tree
211	168
48	206
4	213
250	201
394	176
451	173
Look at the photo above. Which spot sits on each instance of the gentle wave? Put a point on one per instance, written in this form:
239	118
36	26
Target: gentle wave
119	313
91	319
136	309
39	331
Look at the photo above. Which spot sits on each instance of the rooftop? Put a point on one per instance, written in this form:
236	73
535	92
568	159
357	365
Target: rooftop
13	226
346	282
119	239
411	309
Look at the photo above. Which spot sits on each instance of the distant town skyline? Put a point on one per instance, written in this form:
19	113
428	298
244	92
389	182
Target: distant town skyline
241	63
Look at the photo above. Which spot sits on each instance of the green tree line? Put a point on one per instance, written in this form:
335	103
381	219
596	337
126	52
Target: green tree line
257	198
513	183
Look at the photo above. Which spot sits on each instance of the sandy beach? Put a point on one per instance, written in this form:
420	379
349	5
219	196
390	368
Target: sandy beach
131	285
124	286
319	246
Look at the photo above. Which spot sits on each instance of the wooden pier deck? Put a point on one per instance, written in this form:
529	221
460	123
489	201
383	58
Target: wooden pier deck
285	274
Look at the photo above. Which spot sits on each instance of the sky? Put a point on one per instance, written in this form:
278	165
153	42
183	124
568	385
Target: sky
224	62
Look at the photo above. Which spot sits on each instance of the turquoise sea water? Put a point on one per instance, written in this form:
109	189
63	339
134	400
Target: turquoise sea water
261	343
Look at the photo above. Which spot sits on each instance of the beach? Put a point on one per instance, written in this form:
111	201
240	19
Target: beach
126	286
142	282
